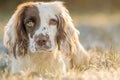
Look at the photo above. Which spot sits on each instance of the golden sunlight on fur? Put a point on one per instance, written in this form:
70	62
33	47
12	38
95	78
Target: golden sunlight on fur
50	44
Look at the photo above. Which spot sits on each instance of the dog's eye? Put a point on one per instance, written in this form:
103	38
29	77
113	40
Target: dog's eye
30	24
53	22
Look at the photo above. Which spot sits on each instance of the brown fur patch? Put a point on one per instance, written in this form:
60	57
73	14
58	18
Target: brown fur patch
61	35
26	11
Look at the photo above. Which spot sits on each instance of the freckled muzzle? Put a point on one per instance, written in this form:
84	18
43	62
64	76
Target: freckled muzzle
42	42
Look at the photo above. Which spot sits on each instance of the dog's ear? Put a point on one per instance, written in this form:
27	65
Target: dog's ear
9	34
61	35
68	39
15	34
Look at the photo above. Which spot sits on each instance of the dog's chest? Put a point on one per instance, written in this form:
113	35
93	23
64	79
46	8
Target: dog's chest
41	63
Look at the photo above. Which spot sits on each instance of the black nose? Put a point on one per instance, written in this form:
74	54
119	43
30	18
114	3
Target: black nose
41	40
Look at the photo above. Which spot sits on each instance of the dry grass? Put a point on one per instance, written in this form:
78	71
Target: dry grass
104	65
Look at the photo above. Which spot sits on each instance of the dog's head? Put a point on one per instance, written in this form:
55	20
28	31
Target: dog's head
39	27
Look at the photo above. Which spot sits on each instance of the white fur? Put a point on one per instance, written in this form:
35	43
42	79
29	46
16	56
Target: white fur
58	60
9	33
46	13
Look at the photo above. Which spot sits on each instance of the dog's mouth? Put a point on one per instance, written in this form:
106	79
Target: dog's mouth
43	48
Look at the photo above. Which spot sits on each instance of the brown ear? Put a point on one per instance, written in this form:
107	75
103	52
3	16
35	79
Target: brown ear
21	34
61	35
21	43
68	38
68	42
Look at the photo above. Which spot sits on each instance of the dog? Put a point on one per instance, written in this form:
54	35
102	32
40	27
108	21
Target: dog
41	36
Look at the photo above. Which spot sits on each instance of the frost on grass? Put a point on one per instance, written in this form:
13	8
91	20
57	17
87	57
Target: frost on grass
104	65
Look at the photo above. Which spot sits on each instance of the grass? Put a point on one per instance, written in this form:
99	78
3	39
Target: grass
104	65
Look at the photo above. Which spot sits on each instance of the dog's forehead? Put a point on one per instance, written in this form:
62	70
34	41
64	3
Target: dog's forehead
46	10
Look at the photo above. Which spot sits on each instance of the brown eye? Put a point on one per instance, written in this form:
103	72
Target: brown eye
30	24
53	22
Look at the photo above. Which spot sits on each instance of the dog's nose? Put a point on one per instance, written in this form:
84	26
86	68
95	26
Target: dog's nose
41	40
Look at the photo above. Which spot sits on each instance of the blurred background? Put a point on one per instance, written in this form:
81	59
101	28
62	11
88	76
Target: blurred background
97	20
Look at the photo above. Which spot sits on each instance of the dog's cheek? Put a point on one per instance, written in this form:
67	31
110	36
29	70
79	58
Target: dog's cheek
52	31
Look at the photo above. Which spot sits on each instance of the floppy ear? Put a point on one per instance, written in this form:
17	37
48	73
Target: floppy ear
15	34
9	34
68	40
61	35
